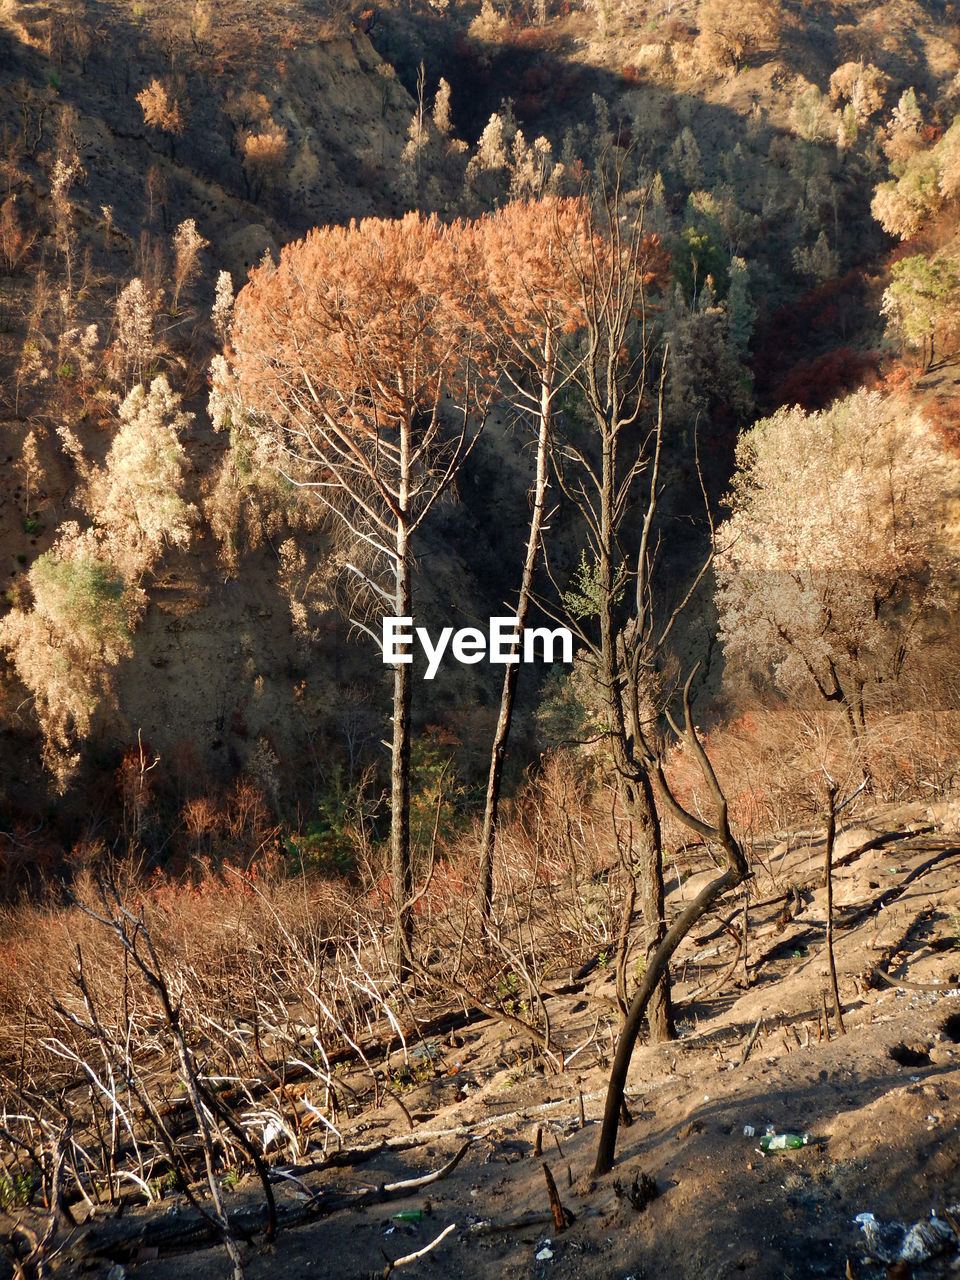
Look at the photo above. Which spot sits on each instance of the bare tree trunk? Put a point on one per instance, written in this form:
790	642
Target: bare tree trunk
640	716
828	881
648	861
736	872
400	862
400	802
631	1027
633	784
512	670
646	858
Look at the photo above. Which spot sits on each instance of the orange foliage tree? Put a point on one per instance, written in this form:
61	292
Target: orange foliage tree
528	250
162	111
346	353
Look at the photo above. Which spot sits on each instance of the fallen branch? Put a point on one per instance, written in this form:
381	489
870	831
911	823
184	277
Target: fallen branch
490	1226
350	1156
103	1242
28	1268
904	982
533	1218
420	1253
832	810
410	1184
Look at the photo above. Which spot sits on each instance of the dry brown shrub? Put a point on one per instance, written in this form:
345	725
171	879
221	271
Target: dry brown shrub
557	896
160	109
771	760
264	154
15	242
915	754
230	944
943	412
914	732
732	30
202	817
768	761
270	969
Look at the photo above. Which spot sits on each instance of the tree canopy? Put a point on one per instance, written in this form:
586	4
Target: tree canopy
357	332
834	544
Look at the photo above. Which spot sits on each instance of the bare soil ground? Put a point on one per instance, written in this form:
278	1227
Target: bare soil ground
879	1104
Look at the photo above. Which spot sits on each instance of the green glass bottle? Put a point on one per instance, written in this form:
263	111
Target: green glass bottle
781	1142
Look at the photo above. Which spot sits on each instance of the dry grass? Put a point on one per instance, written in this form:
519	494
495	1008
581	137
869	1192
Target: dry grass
772	762
274	982
86	1037
277	982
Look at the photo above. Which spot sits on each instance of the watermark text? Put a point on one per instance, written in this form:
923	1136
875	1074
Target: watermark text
500	644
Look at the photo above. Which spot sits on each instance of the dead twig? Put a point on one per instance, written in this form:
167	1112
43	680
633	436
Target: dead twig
409	1184
751	1040
420	1253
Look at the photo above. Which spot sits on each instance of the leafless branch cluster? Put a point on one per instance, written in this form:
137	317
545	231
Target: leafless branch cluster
156	1036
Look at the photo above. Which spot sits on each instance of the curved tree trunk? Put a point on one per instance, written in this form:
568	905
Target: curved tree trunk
736	872
638	1008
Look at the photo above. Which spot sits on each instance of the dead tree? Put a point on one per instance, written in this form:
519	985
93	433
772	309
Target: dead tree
736	871
348	356
600	470
535	299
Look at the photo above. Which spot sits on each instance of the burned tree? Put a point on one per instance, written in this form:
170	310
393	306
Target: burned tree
599	468
535	299
353	358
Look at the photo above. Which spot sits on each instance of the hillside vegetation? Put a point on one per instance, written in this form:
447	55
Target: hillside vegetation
635	319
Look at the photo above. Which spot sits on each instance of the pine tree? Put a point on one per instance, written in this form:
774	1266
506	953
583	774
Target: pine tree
136	497
344	356
529	253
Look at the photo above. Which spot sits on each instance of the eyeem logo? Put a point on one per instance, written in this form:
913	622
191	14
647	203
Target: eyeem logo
499	644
